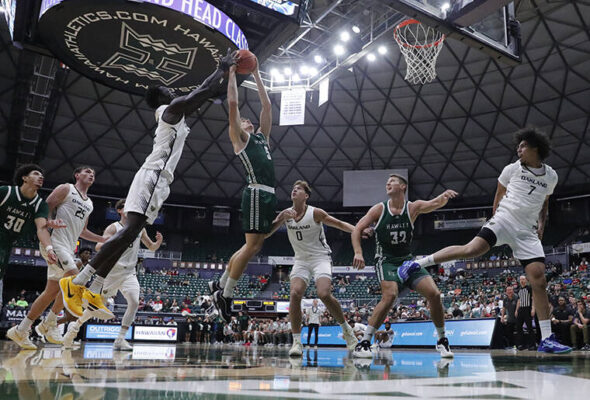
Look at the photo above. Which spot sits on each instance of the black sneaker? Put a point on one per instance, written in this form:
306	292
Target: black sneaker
223	305
214	286
443	347
363	350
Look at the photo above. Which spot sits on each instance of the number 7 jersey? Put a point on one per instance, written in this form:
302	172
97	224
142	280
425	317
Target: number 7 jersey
393	234
74	211
526	191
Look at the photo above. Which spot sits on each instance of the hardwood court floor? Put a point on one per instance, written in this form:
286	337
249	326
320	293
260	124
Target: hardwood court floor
154	371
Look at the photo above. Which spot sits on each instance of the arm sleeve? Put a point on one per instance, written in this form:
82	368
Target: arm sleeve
43	211
504	177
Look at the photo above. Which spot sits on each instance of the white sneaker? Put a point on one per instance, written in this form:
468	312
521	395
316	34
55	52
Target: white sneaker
48	332
348	336
443	347
122	345
296	350
22	339
68	339
363	350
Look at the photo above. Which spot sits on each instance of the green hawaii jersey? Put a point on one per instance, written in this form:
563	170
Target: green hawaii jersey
257	162
17	213
393	235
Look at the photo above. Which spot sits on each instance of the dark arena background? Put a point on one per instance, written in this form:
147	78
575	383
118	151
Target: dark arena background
429	91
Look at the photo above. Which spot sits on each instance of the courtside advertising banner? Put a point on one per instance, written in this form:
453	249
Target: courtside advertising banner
94	331
150	352
472	332
156	333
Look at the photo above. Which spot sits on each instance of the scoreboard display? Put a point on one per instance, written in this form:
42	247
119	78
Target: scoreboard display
260	306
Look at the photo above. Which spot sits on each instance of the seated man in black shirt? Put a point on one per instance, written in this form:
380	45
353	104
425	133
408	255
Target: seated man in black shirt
580	324
561	319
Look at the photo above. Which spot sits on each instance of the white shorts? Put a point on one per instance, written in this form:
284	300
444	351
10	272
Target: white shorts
523	240
148	191
65	262
120	280
312	268
385	345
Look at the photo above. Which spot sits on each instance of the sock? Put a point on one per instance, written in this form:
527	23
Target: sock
122	332
25	325
369	332
545	326
51	317
84	275
345	326
96	286
223	279
426	261
441	331
297	338
228	289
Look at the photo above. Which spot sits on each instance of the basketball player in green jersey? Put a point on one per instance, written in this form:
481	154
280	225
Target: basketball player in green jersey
394	230
258	199
21	211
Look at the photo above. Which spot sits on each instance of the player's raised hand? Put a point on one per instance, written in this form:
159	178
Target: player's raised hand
448	194
229	60
55	224
358	262
287	213
159	237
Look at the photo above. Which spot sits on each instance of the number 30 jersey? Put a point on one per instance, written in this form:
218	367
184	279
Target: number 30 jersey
18	214
74	211
526	191
394	234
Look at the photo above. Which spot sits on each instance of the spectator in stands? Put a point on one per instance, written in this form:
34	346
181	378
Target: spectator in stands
207	329
557	293
141	305
11	304
189	327
508	315
583	267
172	322
580	324
174	307
166	306
22	303
457	313
561	319
243	321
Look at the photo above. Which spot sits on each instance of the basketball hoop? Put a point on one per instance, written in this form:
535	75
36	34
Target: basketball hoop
420	45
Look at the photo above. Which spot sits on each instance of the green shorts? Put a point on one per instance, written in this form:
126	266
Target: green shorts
387	271
258	210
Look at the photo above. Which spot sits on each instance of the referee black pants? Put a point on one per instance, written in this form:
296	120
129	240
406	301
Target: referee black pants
311	327
524	317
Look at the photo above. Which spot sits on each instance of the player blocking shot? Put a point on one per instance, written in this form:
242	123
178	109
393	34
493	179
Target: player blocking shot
394	230
123	278
519	215
305	229
150	186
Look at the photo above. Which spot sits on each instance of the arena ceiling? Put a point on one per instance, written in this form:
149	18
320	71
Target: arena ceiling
452	133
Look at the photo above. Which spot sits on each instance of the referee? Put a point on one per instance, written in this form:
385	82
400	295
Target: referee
525	313
314	315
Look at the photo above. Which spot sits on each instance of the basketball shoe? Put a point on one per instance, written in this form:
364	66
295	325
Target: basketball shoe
122	345
223	305
551	345
71	333
72	295
407	269
21	338
363	350
348	336
443	347
48	332
296	350
96	306
214	286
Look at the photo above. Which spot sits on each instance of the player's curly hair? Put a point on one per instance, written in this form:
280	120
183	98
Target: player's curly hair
152	97
25	170
534	138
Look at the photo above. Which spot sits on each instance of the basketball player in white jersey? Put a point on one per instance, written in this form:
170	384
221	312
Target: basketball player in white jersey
312	260
520	212
71	204
384	338
123	278
151	184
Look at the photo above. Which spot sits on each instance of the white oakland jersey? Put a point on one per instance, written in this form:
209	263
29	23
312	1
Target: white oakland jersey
307	237
526	191
168	145
74	211
128	259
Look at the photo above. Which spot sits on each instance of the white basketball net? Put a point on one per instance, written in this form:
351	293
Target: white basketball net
420	45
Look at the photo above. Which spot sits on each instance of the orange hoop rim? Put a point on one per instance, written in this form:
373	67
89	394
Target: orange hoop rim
422	46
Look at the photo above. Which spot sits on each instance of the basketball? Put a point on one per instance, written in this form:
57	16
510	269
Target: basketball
246	62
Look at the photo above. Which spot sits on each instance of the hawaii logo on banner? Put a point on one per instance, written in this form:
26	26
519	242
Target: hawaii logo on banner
131	46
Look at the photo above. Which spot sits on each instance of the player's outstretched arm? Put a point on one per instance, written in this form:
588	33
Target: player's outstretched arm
320	215
89	235
280	220
237	136
108	233
149	243
266	111
500	193
186	105
372	216
424	207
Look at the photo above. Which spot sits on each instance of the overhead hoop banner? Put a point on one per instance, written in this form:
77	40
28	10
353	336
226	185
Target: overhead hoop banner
131	45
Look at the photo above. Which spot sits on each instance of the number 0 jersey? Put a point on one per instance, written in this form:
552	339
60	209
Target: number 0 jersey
393	234
526	191
307	237
18	214
74	211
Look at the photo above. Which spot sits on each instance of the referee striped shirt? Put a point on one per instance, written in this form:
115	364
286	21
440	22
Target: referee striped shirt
525	294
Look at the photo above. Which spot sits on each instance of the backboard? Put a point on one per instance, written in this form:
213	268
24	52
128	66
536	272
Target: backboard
488	25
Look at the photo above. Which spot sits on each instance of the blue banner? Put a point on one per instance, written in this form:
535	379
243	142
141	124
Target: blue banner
469	332
94	331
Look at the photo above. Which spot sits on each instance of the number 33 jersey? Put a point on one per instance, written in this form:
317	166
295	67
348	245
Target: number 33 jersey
526	191
74	211
394	234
